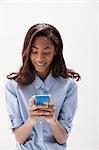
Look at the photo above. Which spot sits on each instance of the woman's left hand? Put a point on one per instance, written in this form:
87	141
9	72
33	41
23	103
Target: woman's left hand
50	111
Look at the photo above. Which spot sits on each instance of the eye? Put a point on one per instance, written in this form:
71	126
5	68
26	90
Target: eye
34	52
46	53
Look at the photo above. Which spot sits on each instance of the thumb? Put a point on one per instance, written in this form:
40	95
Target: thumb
31	101
51	100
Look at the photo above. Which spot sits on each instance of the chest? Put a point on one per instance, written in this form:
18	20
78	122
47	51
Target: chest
58	92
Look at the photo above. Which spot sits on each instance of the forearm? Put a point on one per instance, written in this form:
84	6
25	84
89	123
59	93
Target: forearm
23	132
59	132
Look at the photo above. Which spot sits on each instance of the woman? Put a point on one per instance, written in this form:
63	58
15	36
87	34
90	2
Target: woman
43	72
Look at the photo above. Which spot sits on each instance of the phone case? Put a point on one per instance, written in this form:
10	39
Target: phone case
42	99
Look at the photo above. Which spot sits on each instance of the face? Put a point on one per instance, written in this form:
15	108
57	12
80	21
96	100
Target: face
42	53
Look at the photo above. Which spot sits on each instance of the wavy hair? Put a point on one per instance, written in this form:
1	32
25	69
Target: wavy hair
26	73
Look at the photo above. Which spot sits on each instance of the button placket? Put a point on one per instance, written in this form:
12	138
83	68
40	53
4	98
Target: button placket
40	122
41	92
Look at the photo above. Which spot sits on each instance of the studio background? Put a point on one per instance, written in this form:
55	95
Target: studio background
77	22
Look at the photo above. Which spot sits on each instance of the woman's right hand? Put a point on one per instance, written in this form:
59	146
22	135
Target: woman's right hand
35	111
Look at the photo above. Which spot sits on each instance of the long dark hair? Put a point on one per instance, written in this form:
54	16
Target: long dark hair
26	73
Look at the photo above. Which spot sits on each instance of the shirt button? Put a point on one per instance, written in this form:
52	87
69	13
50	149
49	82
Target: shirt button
40	139
41	92
40	122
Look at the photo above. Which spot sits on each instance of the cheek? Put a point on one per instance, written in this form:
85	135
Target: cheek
32	57
50	58
32	60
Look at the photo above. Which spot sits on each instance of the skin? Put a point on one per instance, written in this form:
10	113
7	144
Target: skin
41	56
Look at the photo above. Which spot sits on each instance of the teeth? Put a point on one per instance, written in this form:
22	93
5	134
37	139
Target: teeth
39	64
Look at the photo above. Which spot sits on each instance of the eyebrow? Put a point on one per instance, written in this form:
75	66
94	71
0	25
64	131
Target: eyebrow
44	48
34	47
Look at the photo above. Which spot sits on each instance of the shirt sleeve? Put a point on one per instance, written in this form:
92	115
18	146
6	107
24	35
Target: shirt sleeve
69	107
12	104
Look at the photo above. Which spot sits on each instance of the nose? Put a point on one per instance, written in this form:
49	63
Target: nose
40	57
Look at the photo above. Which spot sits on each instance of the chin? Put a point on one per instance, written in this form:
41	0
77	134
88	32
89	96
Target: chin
40	71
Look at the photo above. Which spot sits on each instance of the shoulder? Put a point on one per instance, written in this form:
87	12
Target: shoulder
72	82
67	81
10	84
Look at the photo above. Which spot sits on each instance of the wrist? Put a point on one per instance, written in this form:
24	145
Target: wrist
54	121
30	122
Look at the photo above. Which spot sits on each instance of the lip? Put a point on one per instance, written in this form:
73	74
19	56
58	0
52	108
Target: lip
40	64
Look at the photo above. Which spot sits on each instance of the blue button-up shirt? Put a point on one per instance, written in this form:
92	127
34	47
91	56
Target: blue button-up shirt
64	91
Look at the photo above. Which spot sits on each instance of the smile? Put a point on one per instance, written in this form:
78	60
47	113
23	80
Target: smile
40	64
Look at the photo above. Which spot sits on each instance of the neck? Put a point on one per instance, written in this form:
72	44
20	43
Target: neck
43	75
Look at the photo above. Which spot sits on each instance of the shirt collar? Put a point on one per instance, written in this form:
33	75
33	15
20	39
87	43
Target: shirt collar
48	82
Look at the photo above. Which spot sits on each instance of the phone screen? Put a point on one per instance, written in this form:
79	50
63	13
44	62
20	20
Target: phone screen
42	99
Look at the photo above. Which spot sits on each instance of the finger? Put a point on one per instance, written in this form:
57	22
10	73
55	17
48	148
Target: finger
51	106
48	114
49	109
39	107
51	100
48	117
37	113
31	101
32	108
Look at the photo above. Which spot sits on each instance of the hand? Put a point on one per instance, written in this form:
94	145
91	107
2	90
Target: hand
35	111
50	111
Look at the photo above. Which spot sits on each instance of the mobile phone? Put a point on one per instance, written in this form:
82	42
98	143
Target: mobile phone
42	99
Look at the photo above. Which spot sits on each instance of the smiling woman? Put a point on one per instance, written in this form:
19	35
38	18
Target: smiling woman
43	72
26	73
